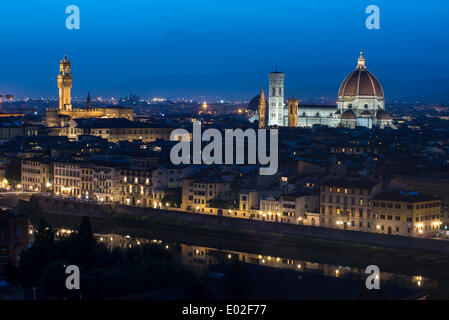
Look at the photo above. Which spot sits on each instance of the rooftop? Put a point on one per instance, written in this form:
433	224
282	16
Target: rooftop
116	123
405	197
363	183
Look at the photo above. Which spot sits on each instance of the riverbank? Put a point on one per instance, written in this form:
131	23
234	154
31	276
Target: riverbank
329	246
71	207
279	245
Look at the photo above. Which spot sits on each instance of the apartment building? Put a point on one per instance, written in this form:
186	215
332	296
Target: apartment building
200	193
406	214
67	178
296	208
167	177
37	175
106	183
135	187
114	130
346	204
87	183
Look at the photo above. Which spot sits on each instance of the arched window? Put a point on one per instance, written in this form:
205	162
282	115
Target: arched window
318	114
366	106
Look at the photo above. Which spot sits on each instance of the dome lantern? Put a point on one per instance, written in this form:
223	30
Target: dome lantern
361	62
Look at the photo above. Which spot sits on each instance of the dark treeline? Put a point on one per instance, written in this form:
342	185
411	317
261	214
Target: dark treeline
104	273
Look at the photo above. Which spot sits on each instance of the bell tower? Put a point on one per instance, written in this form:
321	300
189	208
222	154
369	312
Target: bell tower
65	84
276	98
293	112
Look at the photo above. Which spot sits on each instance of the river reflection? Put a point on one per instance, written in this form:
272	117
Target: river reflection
200	258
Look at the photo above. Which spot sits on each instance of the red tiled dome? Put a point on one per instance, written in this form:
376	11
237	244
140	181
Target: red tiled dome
360	82
348	115
383	115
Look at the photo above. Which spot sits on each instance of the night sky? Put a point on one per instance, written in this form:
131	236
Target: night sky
216	47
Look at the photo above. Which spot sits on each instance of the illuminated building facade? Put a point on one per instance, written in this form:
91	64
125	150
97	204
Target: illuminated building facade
58	117
360	103
276	99
408	214
36	175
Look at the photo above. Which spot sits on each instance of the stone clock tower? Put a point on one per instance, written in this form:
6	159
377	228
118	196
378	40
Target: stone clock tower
65	84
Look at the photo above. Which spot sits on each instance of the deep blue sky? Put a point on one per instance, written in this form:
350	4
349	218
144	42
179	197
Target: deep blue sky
122	43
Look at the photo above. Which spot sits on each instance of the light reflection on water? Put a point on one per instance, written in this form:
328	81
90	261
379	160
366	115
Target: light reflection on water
200	258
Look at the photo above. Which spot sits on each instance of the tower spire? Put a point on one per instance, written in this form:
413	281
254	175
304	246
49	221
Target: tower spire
89	101
361	62
262	110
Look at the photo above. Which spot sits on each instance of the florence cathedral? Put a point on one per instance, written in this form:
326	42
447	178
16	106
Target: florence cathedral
360	103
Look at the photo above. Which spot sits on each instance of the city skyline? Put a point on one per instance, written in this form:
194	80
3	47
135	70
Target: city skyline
192	155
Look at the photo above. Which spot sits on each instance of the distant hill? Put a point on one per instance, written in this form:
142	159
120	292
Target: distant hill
246	85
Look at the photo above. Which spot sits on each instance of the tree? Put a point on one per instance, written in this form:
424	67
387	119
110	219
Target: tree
13	170
11	272
173	199
85	237
44	235
53	278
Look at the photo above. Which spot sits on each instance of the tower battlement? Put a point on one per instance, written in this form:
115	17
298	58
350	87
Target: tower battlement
58	117
65	84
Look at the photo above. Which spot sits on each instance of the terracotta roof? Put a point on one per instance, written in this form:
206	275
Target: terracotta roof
405	197
360	82
383	115
348	114
363	183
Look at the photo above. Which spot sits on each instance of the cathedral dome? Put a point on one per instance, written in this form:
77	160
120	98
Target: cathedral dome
348	115
360	82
